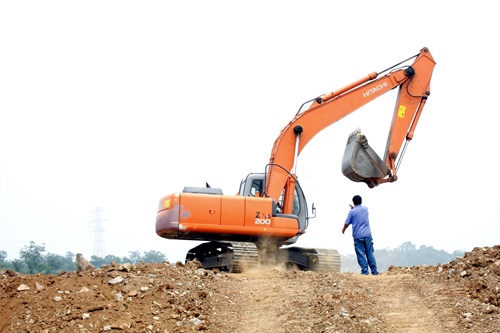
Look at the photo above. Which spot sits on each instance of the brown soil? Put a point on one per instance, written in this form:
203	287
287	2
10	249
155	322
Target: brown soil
461	296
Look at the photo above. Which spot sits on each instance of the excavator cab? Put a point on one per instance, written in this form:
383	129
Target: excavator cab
361	163
253	186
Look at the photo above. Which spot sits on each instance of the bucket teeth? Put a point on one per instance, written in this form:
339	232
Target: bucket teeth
353	135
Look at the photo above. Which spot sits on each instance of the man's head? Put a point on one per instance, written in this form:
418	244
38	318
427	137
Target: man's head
356	200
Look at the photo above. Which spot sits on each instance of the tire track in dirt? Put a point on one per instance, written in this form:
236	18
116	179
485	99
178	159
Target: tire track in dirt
297	302
409	305
260	296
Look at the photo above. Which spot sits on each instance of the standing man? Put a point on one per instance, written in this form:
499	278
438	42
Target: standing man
363	242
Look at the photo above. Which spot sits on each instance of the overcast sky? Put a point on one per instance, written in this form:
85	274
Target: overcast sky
114	104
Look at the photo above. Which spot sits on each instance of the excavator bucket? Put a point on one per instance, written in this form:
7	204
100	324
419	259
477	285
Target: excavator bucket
360	162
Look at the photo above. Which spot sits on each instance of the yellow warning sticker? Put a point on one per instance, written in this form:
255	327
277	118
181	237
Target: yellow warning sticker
401	111
167	203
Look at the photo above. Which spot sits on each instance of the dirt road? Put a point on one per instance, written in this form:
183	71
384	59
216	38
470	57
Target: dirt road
462	296
274	301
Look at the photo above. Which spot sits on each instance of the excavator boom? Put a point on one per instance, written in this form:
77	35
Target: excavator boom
414	88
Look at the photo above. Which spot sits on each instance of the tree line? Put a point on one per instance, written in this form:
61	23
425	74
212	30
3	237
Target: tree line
405	255
33	259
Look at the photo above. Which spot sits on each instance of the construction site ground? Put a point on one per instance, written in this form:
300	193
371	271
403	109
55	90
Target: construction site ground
460	296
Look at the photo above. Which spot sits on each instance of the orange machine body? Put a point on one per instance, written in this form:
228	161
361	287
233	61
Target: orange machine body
222	217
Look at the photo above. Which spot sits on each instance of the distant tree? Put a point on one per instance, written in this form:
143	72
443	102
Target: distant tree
69	262
54	263
4	263
430	256
153	256
3	256
20	266
407	247
111	258
125	259
96	261
33	257
134	257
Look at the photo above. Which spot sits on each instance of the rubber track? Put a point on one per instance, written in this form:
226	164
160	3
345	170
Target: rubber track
329	260
245	256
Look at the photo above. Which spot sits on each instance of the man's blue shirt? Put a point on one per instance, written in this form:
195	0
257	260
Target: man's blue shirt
358	217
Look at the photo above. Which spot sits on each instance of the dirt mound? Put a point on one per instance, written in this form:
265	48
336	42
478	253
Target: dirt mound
460	296
478	273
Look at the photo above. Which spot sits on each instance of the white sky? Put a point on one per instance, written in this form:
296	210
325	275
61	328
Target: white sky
114	104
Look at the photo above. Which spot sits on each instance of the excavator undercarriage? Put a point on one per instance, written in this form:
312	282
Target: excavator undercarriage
236	257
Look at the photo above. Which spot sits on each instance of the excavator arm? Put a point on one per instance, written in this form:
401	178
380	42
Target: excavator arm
360	162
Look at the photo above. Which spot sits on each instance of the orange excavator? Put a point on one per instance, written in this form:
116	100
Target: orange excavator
269	213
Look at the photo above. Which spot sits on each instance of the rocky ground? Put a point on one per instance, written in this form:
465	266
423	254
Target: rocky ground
461	296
